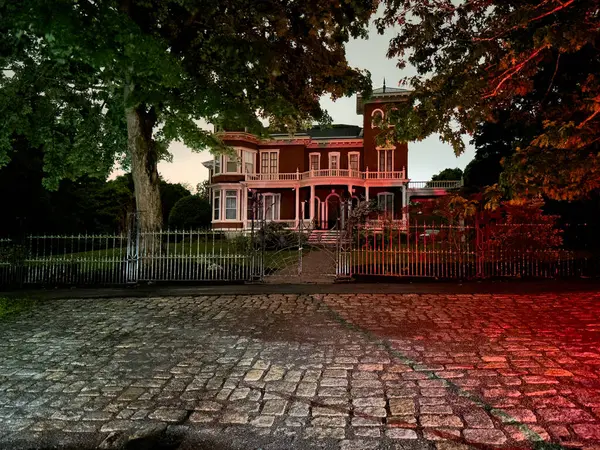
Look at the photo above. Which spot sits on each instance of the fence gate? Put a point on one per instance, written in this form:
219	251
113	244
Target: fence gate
306	252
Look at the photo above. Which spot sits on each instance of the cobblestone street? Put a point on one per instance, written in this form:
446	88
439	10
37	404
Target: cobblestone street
348	371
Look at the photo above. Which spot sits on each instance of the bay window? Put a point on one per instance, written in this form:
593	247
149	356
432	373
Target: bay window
216	205
248	162
231	202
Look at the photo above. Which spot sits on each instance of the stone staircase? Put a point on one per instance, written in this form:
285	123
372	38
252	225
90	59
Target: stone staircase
327	238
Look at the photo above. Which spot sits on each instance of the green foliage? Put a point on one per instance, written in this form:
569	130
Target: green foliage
170	195
448	175
94	83
533	65
274	236
203	190
191	212
9	306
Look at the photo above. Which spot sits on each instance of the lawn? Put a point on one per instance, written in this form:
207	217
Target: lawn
10	306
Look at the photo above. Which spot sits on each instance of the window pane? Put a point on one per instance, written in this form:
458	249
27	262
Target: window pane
217	205
333	162
231	205
389	167
273	162
264	162
268	207
353	162
314	162
248	162
381	161
218	165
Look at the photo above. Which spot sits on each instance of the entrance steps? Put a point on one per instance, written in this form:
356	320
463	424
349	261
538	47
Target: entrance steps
324	237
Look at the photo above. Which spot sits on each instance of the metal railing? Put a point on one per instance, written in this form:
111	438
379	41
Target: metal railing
446	184
195	256
458	252
61	259
127	258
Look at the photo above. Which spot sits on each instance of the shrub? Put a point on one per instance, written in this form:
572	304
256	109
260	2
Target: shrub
190	212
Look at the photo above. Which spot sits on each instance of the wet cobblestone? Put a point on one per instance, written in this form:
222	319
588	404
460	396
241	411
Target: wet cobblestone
352	370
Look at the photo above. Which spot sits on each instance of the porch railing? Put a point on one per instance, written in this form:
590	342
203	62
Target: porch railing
327	173
446	184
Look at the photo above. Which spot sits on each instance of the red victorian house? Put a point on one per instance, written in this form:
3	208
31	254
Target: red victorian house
302	179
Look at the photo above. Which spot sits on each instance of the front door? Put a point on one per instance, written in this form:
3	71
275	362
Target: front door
333	210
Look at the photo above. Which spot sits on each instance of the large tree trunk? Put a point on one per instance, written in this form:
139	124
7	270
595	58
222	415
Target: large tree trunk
144	160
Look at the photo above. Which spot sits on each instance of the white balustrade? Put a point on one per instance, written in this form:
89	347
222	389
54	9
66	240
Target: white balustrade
327	173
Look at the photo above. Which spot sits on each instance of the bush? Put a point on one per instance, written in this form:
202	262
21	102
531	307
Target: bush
276	237
190	212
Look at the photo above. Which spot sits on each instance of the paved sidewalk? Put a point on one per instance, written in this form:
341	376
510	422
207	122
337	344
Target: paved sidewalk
349	371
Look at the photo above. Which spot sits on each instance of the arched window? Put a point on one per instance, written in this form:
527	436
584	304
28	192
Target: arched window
377	117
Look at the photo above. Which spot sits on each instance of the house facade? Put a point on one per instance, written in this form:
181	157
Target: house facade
303	180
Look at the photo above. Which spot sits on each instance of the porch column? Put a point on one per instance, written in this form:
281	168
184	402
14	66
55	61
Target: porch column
297	205
405	200
367	192
244	205
312	203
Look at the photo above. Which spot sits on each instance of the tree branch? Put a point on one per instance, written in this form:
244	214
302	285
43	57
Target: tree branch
523	25
582	124
553	76
514	70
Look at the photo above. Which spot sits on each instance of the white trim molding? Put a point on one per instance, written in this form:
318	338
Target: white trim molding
373	117
329	156
357	161
260	158
310	155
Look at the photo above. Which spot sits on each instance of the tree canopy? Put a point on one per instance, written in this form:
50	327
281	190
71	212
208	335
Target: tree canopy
448	175
94	83
537	63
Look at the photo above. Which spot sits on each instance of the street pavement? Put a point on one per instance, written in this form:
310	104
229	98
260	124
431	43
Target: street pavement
276	371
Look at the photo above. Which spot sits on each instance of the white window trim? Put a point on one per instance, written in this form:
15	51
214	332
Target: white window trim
354	153
240	166
253	152
222	188
310	155
373	116
339	163
381	194
212	210
264	206
380	149
237	205
276	150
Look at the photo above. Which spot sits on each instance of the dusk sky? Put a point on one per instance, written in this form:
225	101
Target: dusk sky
425	158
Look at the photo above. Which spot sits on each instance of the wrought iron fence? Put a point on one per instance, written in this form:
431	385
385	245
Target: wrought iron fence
461	252
197	255
127	258
425	251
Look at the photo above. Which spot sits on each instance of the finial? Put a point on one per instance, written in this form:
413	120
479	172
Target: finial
384	85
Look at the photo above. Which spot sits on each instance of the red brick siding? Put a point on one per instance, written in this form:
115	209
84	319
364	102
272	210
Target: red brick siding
229	225
370	134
